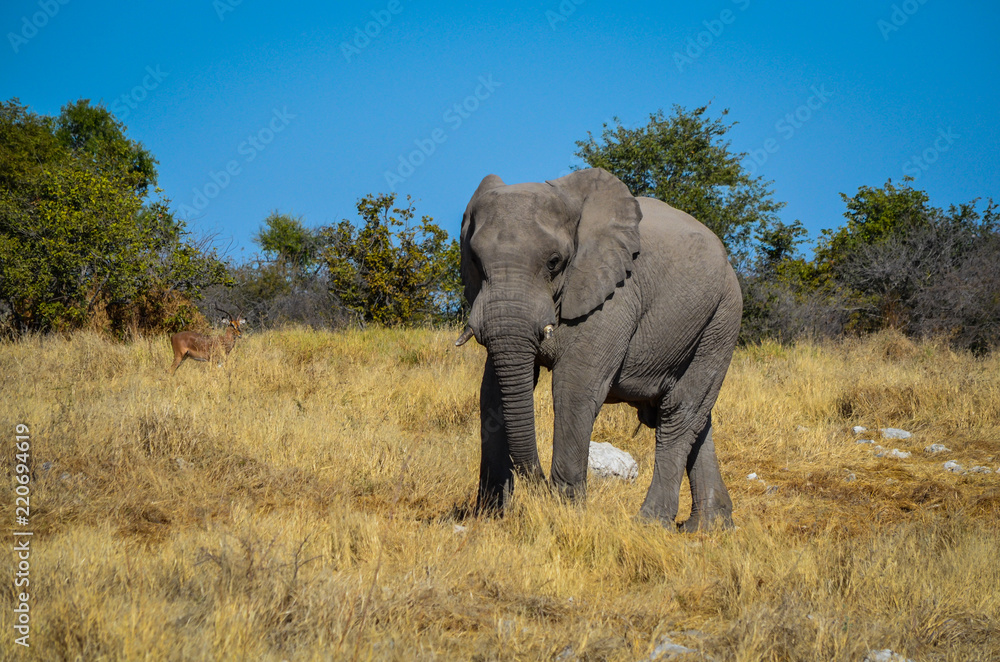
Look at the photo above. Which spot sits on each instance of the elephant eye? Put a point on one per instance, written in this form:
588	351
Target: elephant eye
553	262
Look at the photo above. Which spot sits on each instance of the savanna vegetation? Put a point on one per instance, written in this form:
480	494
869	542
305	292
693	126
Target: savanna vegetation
88	241
311	500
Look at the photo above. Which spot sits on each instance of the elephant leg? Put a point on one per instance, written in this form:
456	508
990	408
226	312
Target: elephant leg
574	423
496	469
684	435
710	502
580	385
674	440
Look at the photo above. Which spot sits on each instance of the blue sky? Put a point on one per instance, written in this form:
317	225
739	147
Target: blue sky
828	97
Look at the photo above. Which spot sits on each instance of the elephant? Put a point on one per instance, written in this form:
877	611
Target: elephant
624	299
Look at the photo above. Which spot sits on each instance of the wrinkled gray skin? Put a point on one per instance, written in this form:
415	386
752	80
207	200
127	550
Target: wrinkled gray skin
645	309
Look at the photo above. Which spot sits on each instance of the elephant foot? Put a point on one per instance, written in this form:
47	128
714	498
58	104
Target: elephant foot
494	497
532	473
490	506
707	520
662	516
573	493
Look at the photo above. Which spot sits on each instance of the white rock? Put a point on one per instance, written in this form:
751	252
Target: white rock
850	478
865	441
885	655
952	466
666	649
895	433
898	454
566	655
937	448
858	429
801	428
610	462
752	476
981	470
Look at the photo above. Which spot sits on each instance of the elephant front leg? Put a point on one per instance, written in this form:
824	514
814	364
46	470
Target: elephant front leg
710	502
575	408
496	468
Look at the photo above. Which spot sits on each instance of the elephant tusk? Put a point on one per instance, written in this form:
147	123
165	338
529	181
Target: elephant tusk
549	330
464	338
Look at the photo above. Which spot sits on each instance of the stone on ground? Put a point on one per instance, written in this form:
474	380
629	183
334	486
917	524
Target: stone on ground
607	461
885	655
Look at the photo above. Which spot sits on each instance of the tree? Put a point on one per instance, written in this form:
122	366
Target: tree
286	239
76	238
898	262
933	272
873	215
685	161
94	134
778	244
388	271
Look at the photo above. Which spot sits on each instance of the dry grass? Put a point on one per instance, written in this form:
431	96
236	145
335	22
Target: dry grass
301	504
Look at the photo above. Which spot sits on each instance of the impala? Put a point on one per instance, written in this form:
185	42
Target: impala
192	345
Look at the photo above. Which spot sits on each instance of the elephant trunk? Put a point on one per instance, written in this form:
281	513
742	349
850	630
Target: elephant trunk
513	346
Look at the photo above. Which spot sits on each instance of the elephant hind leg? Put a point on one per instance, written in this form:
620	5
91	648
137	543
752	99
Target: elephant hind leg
710	502
684	435
674	439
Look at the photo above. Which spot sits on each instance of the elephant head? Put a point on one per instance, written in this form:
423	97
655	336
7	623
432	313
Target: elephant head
535	256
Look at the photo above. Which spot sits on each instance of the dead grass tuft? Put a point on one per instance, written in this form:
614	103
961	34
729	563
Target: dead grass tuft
312	500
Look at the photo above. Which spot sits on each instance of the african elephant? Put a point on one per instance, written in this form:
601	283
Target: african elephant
624	299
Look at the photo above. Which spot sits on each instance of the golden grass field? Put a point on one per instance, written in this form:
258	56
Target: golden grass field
301	503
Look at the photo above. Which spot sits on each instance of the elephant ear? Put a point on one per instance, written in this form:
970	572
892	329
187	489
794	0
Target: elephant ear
607	238
471	278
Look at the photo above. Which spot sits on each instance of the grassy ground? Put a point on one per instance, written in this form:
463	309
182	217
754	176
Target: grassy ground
302	503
